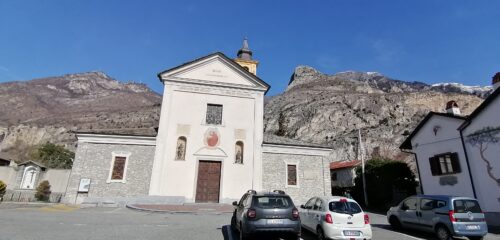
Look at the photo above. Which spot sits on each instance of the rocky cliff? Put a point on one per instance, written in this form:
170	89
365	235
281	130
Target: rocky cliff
329	110
50	109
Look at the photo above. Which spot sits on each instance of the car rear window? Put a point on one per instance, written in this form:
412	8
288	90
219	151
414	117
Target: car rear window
273	202
463	206
345	207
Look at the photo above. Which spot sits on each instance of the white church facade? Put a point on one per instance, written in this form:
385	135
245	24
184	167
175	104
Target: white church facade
209	146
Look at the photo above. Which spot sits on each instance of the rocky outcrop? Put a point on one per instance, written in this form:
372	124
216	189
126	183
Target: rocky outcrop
329	110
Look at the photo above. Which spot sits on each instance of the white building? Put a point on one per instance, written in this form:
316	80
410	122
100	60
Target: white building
458	155
210	145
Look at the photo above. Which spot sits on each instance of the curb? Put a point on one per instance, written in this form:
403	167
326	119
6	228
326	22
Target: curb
131	206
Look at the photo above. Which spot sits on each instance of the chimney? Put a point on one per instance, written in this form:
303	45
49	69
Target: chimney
452	108
496	81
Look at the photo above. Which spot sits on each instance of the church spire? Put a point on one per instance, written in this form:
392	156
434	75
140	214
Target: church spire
245	53
244	58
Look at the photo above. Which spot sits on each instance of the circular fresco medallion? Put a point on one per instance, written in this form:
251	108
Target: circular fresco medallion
212	137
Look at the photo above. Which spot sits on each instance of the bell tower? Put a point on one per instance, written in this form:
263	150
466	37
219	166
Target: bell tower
244	58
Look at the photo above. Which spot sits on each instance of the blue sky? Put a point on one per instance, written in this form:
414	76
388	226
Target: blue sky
426	40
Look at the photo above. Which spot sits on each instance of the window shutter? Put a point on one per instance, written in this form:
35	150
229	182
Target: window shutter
455	163
434	163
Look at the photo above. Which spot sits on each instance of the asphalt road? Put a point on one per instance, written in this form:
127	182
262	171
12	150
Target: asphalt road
57	222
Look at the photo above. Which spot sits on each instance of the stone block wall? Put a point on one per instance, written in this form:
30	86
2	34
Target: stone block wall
313	175
93	160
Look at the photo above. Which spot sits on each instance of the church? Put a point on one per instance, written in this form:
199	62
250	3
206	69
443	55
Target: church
209	147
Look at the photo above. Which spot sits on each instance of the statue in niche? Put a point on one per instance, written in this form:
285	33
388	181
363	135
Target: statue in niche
180	153
239	153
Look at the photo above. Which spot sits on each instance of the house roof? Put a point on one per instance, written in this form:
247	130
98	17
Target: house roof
231	61
407	142
480	109
344	164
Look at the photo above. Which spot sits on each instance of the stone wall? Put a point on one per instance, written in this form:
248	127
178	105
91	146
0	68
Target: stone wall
58	178
93	161
313	174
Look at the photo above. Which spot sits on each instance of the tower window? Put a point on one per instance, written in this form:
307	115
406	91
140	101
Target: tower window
214	114
246	68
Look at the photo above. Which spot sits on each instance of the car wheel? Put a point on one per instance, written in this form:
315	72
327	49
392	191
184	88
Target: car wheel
395	223
320	234
442	233
475	238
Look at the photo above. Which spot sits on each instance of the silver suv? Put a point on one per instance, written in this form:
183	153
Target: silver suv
447	216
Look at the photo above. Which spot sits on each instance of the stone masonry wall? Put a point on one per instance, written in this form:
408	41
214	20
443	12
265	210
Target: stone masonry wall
313	174
94	161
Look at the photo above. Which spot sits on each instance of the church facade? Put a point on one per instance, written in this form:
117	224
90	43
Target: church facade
209	147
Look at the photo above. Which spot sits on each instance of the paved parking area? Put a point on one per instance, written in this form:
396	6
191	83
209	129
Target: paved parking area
40	222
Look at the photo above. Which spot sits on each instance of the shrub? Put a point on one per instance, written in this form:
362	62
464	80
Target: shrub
3	188
43	191
54	156
387	181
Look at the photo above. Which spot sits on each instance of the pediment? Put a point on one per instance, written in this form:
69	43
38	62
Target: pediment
214	69
211	152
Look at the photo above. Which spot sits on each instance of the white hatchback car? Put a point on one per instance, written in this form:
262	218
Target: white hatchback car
335	218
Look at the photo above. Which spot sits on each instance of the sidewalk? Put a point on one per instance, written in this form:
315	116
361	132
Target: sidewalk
184	208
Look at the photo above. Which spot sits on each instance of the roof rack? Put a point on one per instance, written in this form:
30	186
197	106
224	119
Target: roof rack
279	191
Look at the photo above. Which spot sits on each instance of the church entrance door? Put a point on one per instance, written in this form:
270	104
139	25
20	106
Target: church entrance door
208	184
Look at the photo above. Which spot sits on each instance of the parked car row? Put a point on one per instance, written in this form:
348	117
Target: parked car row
274	213
333	217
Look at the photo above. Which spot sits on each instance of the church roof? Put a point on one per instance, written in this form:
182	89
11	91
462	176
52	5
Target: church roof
230	61
146	132
278	140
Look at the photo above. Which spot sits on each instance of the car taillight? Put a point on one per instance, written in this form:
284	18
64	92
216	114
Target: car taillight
295	213
367	219
452	216
251	213
328	218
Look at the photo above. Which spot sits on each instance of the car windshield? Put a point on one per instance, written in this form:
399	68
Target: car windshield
463	206
273	202
345	207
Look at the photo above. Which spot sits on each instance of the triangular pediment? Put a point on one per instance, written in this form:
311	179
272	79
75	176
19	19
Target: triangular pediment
214	69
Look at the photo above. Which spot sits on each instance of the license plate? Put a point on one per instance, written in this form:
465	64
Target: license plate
351	233
275	221
472	227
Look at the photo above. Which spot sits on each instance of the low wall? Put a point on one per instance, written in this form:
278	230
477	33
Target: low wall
28	196
8	176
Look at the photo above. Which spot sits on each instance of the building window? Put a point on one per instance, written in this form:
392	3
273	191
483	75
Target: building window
334	176
292	175
238	158
214	114
444	164
118	170
180	150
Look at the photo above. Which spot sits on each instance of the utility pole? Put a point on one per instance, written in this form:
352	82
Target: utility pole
360	150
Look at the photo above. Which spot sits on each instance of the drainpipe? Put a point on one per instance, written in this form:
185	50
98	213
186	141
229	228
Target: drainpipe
468	165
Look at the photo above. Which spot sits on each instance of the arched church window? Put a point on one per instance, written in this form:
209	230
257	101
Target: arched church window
180	150
239	152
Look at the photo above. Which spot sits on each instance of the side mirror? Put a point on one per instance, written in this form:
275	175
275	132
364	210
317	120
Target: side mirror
302	206
235	203
404	207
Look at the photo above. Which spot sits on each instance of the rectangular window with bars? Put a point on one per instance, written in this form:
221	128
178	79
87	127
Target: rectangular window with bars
292	175
214	114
